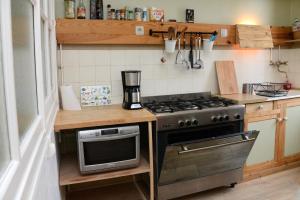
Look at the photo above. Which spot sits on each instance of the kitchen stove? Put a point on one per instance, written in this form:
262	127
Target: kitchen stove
192	110
199	143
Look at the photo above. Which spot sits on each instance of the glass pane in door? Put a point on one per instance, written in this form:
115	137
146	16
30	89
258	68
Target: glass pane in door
24	63
44	61
4	140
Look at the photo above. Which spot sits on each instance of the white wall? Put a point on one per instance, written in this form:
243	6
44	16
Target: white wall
274	12
293	56
102	65
295	9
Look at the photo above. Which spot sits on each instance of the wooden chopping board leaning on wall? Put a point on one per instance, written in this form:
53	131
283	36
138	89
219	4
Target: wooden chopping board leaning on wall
226	77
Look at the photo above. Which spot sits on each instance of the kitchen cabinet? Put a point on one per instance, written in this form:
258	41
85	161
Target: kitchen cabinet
137	183
264	151
278	144
289	142
264	147
292	131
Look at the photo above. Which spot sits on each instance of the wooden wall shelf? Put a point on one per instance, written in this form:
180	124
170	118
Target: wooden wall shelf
69	172
109	32
123	32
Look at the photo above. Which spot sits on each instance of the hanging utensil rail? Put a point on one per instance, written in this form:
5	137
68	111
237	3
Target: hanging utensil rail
152	32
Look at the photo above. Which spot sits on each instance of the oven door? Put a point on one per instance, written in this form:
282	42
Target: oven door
204	157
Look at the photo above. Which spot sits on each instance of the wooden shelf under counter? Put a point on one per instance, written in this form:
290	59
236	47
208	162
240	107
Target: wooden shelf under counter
70	174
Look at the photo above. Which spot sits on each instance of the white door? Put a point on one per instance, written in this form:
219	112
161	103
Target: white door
28	100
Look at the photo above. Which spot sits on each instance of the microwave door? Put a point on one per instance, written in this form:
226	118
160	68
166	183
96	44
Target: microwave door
108	151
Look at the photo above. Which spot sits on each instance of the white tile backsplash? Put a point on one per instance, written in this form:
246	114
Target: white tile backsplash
98	66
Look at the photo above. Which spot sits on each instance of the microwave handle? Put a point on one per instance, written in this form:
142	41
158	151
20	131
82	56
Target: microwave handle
106	138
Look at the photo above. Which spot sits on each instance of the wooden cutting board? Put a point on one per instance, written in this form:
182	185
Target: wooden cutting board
226	77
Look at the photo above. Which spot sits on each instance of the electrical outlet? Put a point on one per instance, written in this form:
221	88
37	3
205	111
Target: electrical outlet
139	30
224	33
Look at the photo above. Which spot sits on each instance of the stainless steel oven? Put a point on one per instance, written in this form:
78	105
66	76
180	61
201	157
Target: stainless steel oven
107	149
196	159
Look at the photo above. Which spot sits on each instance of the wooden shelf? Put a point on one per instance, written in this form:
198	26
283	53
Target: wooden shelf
70	174
126	191
123	32
113	32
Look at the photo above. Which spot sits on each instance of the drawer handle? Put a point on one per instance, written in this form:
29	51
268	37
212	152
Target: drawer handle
260	107
285	118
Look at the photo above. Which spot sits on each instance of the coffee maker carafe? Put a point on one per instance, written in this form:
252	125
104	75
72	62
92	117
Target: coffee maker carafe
131	89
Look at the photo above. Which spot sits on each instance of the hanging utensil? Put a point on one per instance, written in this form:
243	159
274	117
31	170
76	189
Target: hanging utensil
199	61
196	65
191	54
179	56
185	61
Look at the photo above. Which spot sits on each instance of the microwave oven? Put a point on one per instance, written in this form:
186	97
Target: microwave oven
108	149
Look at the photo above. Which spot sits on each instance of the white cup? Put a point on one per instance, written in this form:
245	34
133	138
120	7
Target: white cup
208	45
170	46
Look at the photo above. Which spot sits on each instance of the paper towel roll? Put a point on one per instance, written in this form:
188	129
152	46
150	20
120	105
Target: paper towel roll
69	99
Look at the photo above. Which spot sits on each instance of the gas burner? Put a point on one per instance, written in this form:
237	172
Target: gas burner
160	105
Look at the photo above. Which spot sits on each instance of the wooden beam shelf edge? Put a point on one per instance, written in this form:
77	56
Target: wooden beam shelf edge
114	32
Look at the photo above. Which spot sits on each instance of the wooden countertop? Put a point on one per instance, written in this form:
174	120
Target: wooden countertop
100	116
248	98
244	98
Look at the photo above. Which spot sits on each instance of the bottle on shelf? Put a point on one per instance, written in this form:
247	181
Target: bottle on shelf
81	11
69	9
99	8
93	10
108	12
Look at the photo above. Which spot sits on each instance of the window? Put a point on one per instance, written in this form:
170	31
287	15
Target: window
44	61
24	64
4	141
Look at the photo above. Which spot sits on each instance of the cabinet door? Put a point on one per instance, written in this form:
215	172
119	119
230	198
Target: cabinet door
264	146
292	131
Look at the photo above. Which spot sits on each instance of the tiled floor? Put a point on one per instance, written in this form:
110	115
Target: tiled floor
280	186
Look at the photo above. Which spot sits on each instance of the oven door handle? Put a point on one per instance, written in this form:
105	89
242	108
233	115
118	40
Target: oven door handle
187	150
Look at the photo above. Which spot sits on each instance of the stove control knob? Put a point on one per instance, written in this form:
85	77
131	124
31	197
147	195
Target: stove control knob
195	122
188	122
214	119
226	117
237	116
181	123
220	118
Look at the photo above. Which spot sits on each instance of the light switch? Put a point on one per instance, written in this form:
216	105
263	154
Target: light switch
139	30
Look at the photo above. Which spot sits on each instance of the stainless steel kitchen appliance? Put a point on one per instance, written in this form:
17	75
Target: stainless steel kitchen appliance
108	149
131	89
199	143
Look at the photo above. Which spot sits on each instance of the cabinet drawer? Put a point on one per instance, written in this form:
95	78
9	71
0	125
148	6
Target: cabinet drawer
258	107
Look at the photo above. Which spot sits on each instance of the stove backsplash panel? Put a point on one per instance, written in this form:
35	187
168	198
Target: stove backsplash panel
103	66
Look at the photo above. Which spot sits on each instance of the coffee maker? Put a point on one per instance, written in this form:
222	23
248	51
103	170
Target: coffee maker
131	89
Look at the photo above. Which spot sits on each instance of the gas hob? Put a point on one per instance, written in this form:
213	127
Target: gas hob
192	110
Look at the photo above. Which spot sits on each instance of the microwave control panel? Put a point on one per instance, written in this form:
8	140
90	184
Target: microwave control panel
107	132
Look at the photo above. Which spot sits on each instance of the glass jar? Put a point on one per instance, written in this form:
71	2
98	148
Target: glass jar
113	14
138	12
122	14
70	9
